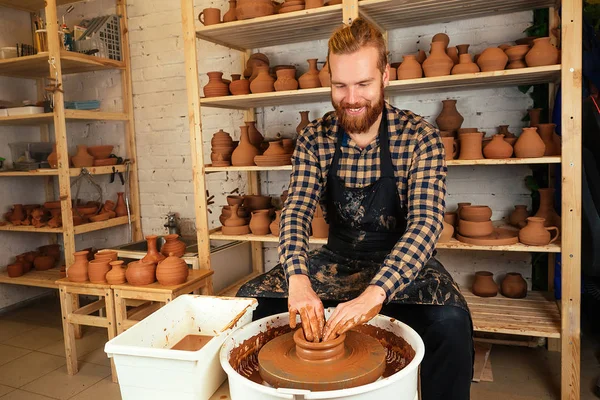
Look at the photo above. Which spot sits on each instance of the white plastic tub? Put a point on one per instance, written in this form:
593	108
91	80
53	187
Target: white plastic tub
25	111
8	52
147	367
400	386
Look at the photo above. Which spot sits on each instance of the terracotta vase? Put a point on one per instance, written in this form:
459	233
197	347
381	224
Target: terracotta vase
546	209
310	79
546	132
263	83
438	63
518	217
484	285
274	227
97	270
239	86
245	152
172	271
324	76
471	146
450	147
116	276
447	232
51	250
449	118
215	86
254	136
492	59
121	208
534	116
452	52
173	246
286	80
140	273
462	49
516	56
230	15
15	270
234	218
536	234
304	120
498	148
153	255
82	158
259	224
514	286
43	263
78	271
410	68
529	144
542	53
53	158
465	65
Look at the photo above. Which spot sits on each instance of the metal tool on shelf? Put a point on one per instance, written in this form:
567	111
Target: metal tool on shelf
85	175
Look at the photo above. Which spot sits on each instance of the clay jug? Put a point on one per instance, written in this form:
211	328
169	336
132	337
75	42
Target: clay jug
471	146
519	216
438	63
536	234
172	271
304	120
140	273
97	270
120	209
546	132
514	286
173	246
447	232
245	152
542	53
324	76
116	276
153	255
462	49
449	119
498	148
239	86
215	86
410	68
263	83
234	218
230	15
450	147
82	158
484	285
546	209
452	52
286	80
53	158
78	271
529	144
274	227
259	224
310	79
254	136
465	65
492	59
534	117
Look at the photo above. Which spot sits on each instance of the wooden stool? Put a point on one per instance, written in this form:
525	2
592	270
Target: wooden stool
149	298
73	316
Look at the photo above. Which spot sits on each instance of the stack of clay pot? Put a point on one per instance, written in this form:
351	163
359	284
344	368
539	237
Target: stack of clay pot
247	9
46	257
275	155
294	5
513	285
255	60
222	148
216	86
475	221
242	211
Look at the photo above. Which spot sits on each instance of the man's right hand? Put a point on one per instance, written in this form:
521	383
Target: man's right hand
304	301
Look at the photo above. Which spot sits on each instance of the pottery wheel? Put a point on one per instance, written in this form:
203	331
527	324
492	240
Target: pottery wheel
361	362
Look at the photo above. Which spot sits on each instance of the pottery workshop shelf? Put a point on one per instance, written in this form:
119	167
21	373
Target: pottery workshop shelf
33	229
514	77
45	279
96	226
293	27
31	5
70	115
72	171
36	66
255	168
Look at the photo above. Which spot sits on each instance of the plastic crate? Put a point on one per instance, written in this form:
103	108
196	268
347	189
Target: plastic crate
103	34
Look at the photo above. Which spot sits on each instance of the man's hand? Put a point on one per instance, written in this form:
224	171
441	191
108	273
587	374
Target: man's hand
304	301
354	312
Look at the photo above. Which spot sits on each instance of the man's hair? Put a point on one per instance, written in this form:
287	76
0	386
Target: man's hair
349	39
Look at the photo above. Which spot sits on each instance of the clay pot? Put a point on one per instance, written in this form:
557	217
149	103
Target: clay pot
239	86
529	144
121	208
288	145
153	255
15	270
546	132
325	76
534	116
263	83
254	66
18	213
257	202
77	272
492	59
254	136
51	250
274	227
259	224
173	246
514	286
536	234
449	118
82	158
475	229
231	200
109	205
226	213
438	63
542	53
459	208
447	232
116	276
215	86
475	213
310	79
253	9
546	209
304	120
53	158
471	146
22	259
43	263
212	16
234	219
465	65
410	68
452	52
484	285
519	216
462	49
503	130
286	80
516	56
230	15
112	255
245	152
450	147
97	270
140	273
451	218
498	148
441	37
172	271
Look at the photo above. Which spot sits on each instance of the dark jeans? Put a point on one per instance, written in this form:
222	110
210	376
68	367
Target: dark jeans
447	369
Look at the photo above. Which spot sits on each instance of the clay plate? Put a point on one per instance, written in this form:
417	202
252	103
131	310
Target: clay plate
500	237
287	9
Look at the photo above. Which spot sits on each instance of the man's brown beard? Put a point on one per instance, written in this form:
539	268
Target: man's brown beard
359	124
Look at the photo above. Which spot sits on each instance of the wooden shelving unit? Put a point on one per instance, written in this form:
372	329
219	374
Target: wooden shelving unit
72	171
46	279
70	115
538	314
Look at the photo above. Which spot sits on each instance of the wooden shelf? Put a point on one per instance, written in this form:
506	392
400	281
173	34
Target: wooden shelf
210	168
513	77
46	279
70	115
96	226
37	66
535	315
32	5
294	27
11	228
73	171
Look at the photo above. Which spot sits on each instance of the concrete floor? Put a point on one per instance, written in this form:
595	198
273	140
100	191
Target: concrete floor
32	363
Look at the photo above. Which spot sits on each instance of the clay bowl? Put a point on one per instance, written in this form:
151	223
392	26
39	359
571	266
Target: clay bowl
105	162
87	210
100	217
236	230
232	200
42	263
100	152
475	229
476	213
517	52
257	202
106	253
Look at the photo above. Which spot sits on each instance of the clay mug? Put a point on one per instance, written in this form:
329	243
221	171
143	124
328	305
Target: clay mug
450	146
212	16
536	234
484	285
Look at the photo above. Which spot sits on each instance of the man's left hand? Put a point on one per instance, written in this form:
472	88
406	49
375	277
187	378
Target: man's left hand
354	312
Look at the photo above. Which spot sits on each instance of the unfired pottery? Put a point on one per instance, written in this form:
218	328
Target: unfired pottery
499	237
259	224
529	144
234	218
546	132
514	286
447	232
140	273
471	146
97	270
173	246
82	158
120	208
475	229
498	148
516	56
274	227
116	276
263	83
215	86
542	53
492	59
450	147
449	118
462	49
153	255
546	209
15	270
536	234
231	200
304	120
441	37
77	272
475	213
310	79
452	52
212	16
245	152
519	216
286	80
465	65
43	263
247	9
254	136
172	271
101	152
230	15
239	86
438	63
410	68
534	116
325	77
484	285
257	202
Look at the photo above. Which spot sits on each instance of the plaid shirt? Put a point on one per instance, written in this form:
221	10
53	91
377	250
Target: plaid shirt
420	169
